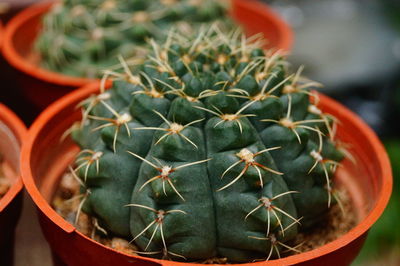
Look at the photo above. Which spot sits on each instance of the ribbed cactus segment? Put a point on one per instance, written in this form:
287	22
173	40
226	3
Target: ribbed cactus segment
210	148
83	37
174	182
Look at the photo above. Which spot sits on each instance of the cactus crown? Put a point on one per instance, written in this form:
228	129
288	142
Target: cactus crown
209	148
82	37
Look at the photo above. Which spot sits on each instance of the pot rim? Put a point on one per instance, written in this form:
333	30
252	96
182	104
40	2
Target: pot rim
40	73
19	130
20	63
353	234
285	31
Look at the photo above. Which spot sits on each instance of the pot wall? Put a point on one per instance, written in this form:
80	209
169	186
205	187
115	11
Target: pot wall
12	131
1	34
42	86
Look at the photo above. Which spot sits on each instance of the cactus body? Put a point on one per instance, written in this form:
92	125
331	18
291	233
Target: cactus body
209	149
83	37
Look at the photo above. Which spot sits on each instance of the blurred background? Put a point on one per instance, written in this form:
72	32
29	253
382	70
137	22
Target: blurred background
352	47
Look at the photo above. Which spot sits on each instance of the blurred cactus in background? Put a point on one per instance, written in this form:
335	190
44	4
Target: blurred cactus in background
82	37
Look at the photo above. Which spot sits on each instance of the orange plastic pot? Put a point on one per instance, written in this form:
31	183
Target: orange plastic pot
257	17
12	132
39	85
43	86
45	160
1	34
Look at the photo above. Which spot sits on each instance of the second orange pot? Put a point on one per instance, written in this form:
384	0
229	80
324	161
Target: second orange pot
43	86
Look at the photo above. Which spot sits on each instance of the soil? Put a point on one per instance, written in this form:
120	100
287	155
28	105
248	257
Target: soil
337	223
4	182
68	198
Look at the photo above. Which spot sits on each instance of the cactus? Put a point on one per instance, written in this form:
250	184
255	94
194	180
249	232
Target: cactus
83	37
209	148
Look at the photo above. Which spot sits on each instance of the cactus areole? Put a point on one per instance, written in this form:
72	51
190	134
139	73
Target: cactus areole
208	149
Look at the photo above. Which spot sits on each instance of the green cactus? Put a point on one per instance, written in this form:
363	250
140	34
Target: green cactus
83	37
209	148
